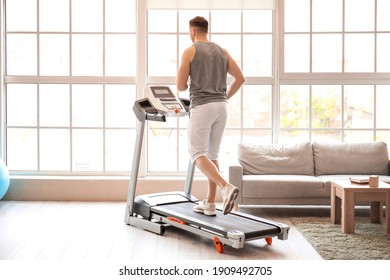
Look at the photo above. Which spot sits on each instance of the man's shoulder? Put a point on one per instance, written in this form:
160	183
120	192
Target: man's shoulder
190	50
189	53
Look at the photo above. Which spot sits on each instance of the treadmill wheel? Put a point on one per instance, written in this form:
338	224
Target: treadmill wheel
268	240
218	245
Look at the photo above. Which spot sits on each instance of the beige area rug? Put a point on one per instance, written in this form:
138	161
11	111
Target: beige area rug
369	242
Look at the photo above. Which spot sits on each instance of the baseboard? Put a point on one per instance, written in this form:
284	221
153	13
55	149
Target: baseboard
93	188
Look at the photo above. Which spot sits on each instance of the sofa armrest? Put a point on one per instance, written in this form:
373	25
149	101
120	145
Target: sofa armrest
235	177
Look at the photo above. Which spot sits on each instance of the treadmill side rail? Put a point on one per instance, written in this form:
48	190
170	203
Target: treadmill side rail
284	229
235	240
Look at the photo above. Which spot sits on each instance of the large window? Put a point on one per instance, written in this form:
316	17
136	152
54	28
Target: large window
248	36
73	68
335	73
70	82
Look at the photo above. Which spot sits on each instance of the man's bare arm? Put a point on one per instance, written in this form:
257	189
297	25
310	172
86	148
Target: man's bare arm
236	73
184	69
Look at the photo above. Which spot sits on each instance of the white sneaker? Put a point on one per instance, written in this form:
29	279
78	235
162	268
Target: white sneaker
229	194
206	208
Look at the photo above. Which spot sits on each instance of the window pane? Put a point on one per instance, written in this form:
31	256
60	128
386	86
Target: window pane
296	53
120	16
383	136
54	149
162	150
327	15
54	15
15	13
87	147
292	136
162	55
326	136
257	136
257	55
186	15
383	19
119	101
257	106
21	105
162	21
327	53
383	54
219	22
326	106
257	21
120	55
359	59
54	105
54	55
352	136
296	15
87	105
87	55
228	151
234	111
232	43
382	106
359	15
119	149
87	16
358	106
183	122
294	106
21	54
184	156
22	149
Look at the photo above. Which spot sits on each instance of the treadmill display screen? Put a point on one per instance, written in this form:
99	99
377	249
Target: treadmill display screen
161	92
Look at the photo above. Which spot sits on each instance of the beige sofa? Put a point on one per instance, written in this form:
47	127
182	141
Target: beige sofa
300	174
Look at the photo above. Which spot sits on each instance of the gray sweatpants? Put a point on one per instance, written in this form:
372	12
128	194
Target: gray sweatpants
205	129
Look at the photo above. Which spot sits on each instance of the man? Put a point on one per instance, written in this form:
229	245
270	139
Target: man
207	65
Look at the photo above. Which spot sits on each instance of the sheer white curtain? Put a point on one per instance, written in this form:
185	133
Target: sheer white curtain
211	4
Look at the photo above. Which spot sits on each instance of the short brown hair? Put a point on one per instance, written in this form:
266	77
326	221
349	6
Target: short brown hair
201	23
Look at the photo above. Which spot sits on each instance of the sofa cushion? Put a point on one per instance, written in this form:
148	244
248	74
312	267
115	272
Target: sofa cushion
288	159
370	158
283	186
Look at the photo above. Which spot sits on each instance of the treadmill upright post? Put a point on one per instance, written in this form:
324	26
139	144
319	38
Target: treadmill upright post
189	178
134	171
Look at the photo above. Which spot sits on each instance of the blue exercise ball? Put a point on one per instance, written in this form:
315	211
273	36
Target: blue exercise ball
4	179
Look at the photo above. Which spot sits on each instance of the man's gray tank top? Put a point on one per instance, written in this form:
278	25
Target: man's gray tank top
208	74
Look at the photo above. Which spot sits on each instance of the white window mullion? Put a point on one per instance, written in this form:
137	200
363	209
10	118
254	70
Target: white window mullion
141	39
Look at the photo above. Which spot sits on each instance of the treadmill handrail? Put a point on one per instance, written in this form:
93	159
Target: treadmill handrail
155	117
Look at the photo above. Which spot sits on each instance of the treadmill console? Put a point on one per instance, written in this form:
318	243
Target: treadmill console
163	99
159	103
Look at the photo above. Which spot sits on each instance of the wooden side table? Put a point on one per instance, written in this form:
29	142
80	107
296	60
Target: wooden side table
345	194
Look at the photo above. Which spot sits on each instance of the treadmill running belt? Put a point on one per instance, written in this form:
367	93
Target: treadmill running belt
220	223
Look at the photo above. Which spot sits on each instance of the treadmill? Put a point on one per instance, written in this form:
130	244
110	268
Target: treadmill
154	212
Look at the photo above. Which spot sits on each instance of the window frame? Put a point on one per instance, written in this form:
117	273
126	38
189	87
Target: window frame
342	79
278	79
70	80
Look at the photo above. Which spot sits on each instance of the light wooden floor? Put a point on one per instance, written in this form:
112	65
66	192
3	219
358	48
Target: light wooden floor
96	231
